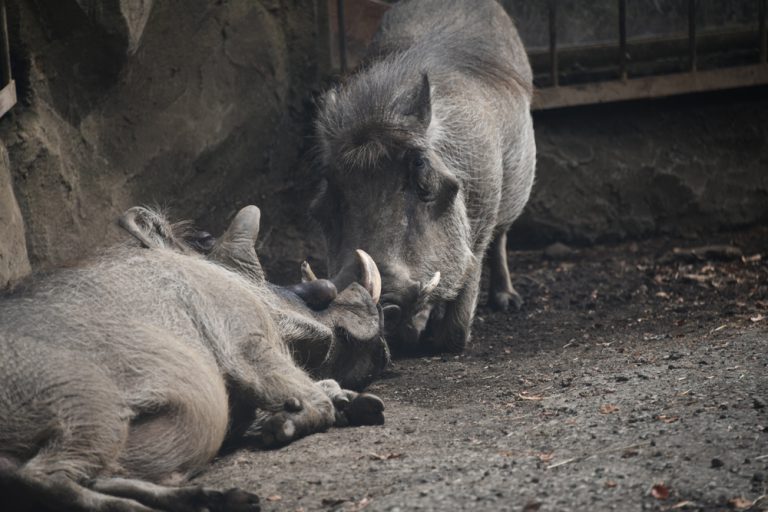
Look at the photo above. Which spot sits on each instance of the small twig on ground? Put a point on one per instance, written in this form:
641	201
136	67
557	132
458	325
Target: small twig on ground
599	452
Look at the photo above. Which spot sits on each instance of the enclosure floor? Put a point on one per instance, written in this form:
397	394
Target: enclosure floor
627	382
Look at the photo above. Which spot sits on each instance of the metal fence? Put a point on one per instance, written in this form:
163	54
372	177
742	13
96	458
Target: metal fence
643	67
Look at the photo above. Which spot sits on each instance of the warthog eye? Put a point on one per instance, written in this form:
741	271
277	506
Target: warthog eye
418	167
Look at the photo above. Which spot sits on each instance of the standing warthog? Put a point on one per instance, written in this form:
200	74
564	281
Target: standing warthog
428	156
126	374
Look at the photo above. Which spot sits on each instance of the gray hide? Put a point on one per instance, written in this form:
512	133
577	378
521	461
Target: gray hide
428	156
127	373
338	337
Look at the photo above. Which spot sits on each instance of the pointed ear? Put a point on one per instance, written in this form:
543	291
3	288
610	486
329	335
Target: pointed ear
236	248
150	228
421	106
244	228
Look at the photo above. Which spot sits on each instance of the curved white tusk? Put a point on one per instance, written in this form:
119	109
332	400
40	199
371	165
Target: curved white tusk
428	288
370	277
306	272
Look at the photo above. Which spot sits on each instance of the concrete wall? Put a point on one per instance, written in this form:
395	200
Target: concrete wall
685	165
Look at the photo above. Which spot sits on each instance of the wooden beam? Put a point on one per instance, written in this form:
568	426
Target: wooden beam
7	98
649	87
5	49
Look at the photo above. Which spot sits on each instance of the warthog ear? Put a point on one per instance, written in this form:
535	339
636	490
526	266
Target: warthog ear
149	227
236	248
421	102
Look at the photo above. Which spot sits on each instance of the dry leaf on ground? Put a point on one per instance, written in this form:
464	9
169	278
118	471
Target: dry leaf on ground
740	503
660	491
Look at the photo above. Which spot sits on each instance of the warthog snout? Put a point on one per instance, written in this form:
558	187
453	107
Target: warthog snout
319	293
406	306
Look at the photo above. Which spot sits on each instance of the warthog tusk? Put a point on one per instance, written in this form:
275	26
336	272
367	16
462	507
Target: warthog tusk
428	288
306	272
370	278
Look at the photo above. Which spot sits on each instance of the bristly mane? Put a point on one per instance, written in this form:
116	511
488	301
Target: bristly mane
366	121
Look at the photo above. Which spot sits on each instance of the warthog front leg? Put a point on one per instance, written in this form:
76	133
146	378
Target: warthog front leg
283	402
501	293
177	499
450	331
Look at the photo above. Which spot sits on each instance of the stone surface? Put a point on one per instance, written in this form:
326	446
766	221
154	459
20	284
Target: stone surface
123	19
13	248
208	114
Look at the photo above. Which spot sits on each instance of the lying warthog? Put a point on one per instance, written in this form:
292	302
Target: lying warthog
135	367
330	335
428	156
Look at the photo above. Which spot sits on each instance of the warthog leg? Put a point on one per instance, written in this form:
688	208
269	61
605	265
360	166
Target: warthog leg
58	491
449	332
501	292
352	408
25	491
179	499
289	404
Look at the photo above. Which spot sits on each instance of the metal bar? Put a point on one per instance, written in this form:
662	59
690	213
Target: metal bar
763	34
340	17
5	49
650	87
553	42
623	38
643	49
692	35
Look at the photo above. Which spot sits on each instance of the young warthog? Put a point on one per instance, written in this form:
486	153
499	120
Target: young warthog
429	155
126	374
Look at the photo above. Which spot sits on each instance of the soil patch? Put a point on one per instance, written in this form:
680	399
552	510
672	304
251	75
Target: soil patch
634	378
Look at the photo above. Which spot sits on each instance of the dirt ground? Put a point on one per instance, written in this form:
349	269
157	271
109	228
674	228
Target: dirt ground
633	379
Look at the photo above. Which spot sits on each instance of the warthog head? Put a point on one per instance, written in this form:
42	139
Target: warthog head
388	188
332	326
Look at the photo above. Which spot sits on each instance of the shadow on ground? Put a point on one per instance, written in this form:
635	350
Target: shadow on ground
634	378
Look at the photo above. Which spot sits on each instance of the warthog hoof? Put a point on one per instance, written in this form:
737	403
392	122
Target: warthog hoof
352	408
364	409
233	500
501	300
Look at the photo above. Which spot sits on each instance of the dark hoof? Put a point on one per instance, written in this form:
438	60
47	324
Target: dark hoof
365	409
233	500
501	301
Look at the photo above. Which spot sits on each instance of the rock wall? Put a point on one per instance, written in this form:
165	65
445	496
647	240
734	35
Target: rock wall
195	105
13	248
